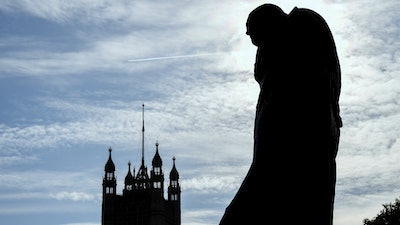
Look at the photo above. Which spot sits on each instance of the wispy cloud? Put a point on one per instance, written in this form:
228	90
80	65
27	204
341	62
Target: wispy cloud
172	57
74	196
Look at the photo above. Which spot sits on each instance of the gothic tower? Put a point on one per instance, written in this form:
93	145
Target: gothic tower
142	201
109	191
157	176
174	195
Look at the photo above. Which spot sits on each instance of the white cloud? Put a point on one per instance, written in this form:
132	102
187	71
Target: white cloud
53	180
208	184
199	216
182	34
74	196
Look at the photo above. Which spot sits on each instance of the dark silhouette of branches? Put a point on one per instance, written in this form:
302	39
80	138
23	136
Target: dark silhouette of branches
389	215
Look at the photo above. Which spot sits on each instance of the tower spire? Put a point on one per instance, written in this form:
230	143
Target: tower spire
142	177
142	134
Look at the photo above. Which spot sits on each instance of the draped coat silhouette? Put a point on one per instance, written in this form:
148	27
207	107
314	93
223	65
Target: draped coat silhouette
292	177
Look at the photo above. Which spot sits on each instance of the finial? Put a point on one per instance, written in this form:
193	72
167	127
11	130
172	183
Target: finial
157	144
109	150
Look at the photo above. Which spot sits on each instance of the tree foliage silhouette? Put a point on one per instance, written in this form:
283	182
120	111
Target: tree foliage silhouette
389	215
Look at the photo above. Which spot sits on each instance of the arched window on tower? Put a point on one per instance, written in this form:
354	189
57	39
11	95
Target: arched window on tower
157	184
109	190
174	197
157	170
110	175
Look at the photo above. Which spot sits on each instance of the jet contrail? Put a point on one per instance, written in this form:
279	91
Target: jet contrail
172	57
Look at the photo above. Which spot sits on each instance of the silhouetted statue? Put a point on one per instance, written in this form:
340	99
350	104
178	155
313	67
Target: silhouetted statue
292	177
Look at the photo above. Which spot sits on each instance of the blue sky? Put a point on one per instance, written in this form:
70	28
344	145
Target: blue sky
74	74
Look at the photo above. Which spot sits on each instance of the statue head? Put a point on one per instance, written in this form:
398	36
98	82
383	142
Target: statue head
266	24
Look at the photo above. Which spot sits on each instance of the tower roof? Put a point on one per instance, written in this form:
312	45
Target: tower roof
157	159
109	167
129	177
174	175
